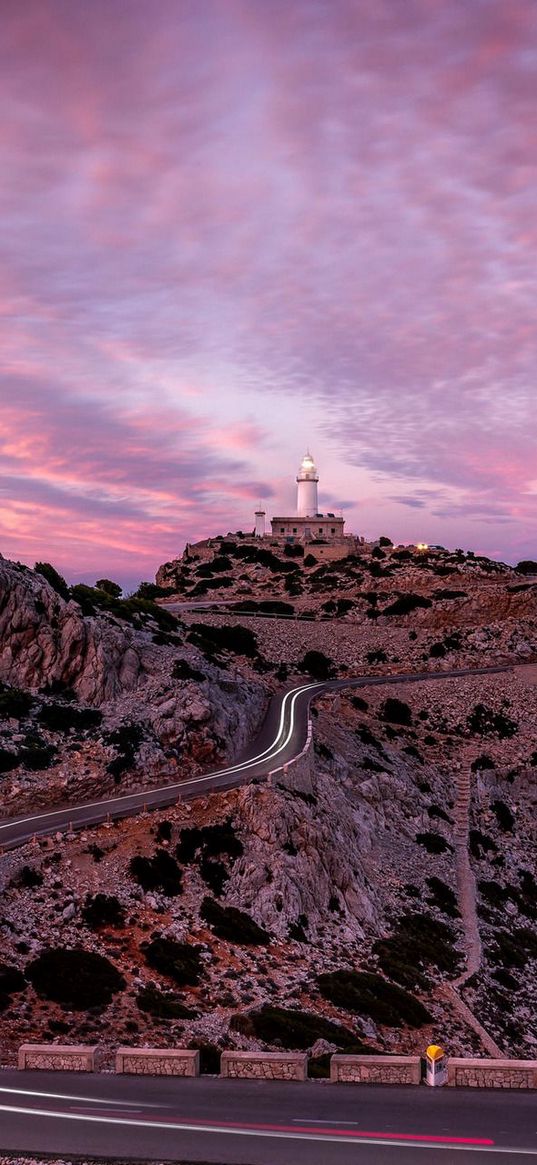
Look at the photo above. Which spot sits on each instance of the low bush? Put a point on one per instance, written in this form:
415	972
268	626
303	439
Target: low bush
479	844
417	943
127	740
214	875
62	717
504	816
434	842
395	711
55	580
101	910
183	670
178	961
443	897
160	872
163	1005
213	840
377	656
292	1029
14	703
237	639
12	981
318	665
8	760
27	878
233	925
369	994
76	979
484	721
405	604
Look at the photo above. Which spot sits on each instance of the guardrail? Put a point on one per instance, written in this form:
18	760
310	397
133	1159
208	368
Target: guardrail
463	1072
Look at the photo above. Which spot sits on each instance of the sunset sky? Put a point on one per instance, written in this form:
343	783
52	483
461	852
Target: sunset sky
235	228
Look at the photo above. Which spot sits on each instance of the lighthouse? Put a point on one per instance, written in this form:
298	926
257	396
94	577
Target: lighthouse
307	505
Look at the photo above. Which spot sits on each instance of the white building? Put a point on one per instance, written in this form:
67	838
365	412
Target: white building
308	524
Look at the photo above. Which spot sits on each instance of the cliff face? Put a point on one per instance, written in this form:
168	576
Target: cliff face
45	640
108	698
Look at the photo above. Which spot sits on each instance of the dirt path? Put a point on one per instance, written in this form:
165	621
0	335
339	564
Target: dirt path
467	906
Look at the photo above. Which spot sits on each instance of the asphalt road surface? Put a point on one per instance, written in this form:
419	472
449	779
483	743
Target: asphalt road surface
282	737
259	1123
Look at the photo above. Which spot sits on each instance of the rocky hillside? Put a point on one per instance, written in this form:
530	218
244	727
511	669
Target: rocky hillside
98	692
335	916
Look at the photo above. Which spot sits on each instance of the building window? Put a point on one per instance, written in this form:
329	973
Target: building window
294	529
333	530
282	529
320	529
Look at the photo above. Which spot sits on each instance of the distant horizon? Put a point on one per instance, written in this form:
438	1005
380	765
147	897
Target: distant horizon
236	229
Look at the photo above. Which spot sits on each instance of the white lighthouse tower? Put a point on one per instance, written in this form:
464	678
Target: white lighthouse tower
307	505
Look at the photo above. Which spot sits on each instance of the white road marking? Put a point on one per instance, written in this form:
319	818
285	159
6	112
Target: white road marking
223	1130
268	753
69	1096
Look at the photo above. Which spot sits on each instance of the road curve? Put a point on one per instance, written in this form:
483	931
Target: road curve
282	737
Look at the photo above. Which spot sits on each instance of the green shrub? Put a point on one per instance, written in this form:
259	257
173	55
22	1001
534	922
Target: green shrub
405	604
61	717
484	722
237	639
12	981
396	711
8	760
28	878
480	844
377	656
103	910
443	897
179	961
127	740
434	842
214	840
293	1029
163	1004
214	875
110	588
183	670
233	925
368	994
417	943
526	566
160	872
14	703
54	579
504	816
318	665
76	979
36	755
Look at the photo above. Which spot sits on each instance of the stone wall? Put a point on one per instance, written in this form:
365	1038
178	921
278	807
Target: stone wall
158	1061
466	1073
375	1069
264	1065
57	1057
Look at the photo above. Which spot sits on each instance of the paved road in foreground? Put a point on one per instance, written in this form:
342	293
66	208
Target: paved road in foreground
282	737
254	1123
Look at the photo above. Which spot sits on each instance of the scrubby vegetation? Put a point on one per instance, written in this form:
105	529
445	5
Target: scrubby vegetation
163	1005
368	994
233	925
76	979
12	981
102	910
178	961
418	942
160	872
293	1029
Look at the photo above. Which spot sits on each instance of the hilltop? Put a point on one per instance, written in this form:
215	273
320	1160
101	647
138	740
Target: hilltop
265	916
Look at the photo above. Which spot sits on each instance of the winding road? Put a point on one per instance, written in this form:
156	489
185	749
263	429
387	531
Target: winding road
225	1122
281	739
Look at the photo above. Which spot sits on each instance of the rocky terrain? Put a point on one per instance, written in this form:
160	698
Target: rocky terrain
391	904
